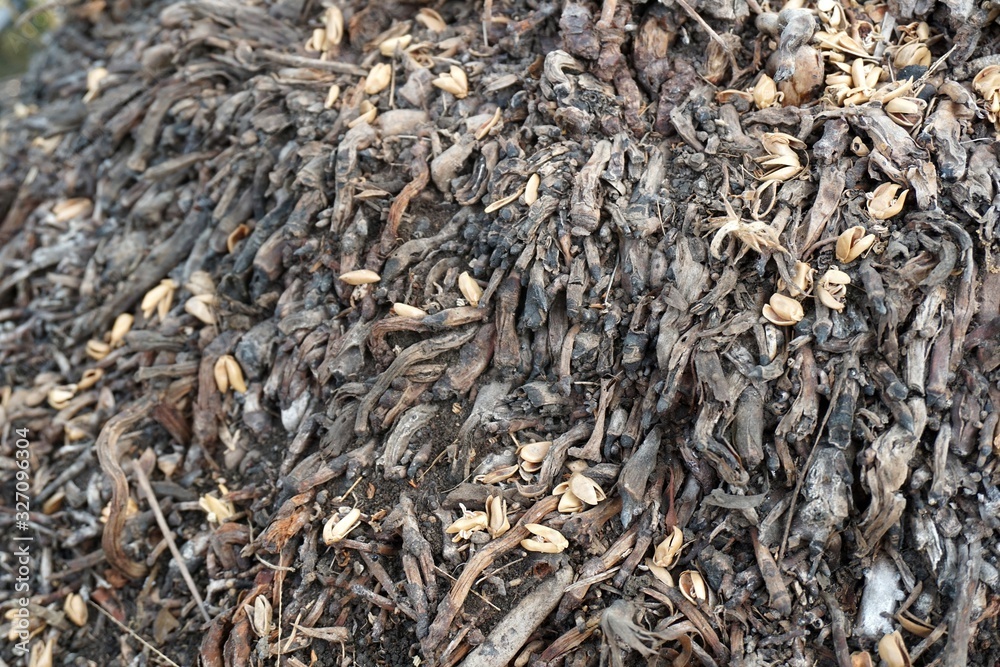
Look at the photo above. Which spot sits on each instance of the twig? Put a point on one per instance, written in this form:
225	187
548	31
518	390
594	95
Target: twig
168	535
135	635
314	63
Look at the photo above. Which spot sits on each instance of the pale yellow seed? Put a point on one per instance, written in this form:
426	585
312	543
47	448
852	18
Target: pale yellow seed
692	586
531	189
75	608
237	235
489	125
97	349
431	20
216	509
360	277
783	311
406	310
378	78
892	649
334	21
470	289
94	78
546	540
122	325
261	615
337	528
389	46
201	308
332	96
66	210
234	374
90	377
159	299
667	551
368	113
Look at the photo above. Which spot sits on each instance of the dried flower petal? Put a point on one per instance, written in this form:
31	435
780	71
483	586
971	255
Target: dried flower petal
336	528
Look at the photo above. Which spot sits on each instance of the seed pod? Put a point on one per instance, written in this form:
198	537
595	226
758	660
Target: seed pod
59	397
332	96
534	452
97	349
568	502
431	20
470	522
454	82
89	378
498	475
861	659
218	510
832	289
531	189
692	586
496	516
406	310
783	311
914	53
122	325
914	625
892	649
586	489
660	573
765	92
201	308
237	235
159	299
337	527
853	243
360	277
547	540
389	46
66	210
485	128
470	289
378	78
859	148
75	608
260	619
333	20
883	202
667	551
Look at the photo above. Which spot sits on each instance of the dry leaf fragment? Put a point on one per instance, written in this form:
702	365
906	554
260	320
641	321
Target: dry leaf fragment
159	299
97	349
229	374
470	289
122	325
75	608
884	203
547	540
496	516
360	277
378	78
692	586
892	649
853	243
666	552
337	527
406	310
783	310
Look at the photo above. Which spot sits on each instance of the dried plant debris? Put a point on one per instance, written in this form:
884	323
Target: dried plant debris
532	333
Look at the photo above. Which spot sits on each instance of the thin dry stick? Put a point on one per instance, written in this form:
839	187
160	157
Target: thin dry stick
168	535
135	635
